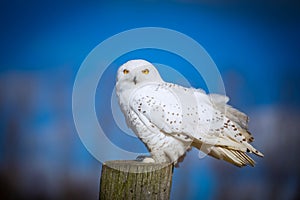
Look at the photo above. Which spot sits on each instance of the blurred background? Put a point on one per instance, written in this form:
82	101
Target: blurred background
255	45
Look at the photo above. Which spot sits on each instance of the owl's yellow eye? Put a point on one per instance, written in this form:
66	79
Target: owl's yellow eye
145	71
125	71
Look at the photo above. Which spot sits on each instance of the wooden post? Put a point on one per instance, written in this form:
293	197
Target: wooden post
127	179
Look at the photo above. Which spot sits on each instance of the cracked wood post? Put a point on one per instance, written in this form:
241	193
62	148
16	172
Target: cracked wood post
128	179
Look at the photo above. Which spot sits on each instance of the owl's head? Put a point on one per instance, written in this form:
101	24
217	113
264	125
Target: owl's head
137	72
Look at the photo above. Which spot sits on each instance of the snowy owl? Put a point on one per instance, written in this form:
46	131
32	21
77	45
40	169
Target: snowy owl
171	119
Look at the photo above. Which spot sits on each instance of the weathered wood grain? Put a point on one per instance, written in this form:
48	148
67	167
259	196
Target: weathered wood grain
127	179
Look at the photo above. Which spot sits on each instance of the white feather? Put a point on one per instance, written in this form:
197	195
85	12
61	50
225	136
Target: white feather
170	118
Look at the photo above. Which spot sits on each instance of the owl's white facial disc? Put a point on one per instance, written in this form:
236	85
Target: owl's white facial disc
136	73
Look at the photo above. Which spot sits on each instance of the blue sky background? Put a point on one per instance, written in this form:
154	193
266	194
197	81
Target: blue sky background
255	45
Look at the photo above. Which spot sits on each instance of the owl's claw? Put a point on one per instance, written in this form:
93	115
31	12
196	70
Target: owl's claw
145	159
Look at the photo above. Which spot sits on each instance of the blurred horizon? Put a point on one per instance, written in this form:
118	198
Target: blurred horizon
255	45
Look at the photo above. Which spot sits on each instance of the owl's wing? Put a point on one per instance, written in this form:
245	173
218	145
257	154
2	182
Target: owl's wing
177	111
189	114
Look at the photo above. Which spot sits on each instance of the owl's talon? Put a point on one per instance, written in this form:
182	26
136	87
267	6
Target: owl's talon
145	159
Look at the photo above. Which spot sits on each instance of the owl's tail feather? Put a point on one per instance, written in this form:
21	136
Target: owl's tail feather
238	158
223	142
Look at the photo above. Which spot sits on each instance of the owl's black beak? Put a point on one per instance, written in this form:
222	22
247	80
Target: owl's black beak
134	80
